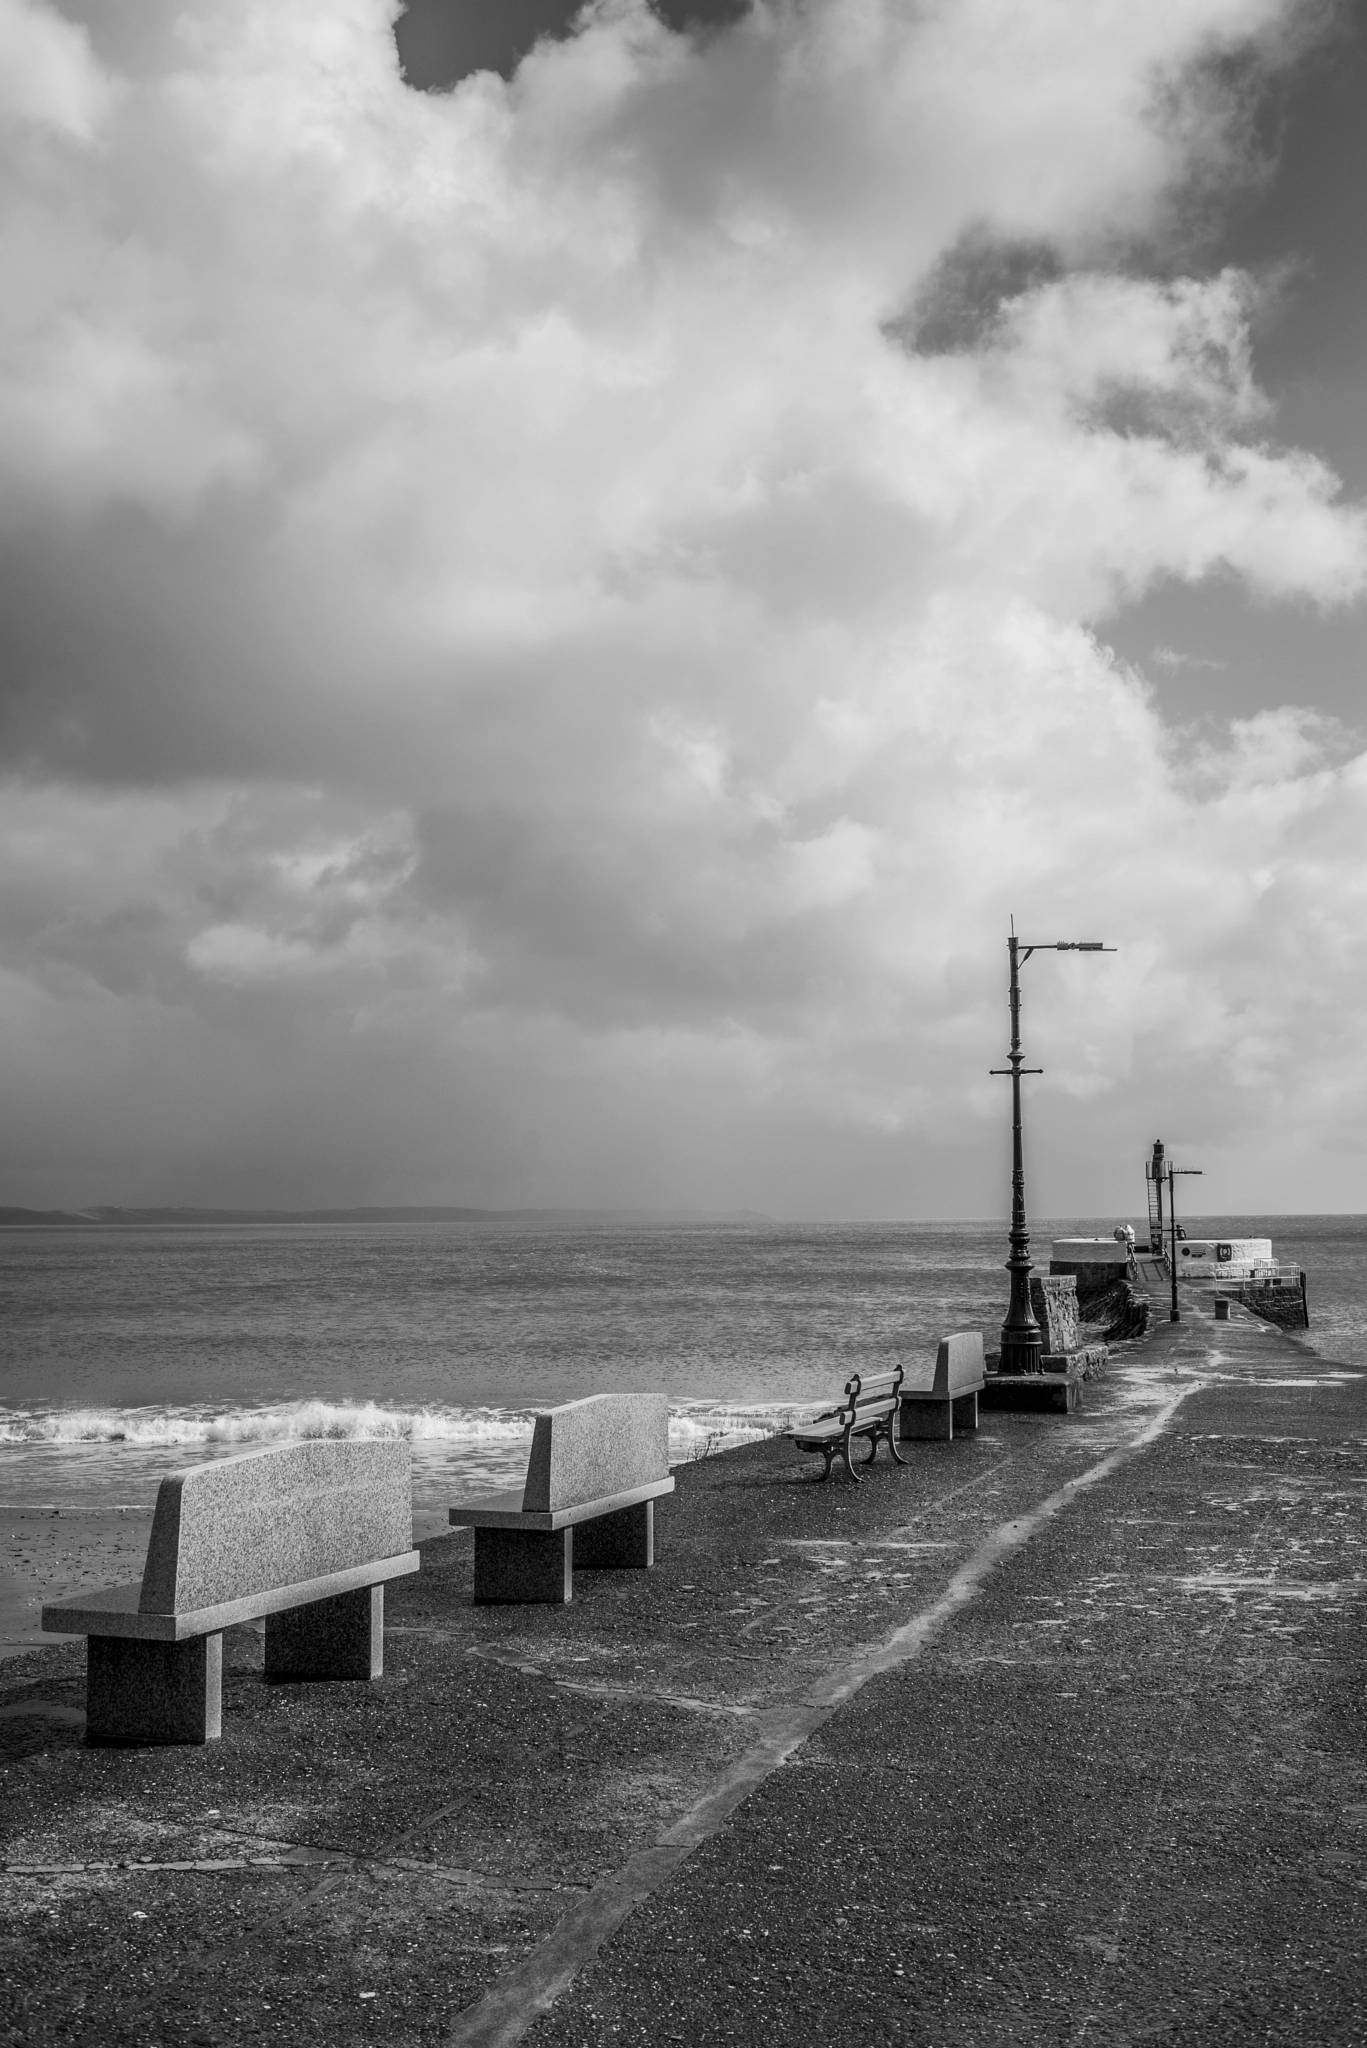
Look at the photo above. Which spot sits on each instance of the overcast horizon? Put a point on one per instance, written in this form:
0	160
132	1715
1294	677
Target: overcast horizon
563	576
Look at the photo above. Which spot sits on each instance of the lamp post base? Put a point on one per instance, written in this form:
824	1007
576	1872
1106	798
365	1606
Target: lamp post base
1022	1352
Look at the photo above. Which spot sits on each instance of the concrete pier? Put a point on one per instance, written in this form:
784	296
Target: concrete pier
1056	1735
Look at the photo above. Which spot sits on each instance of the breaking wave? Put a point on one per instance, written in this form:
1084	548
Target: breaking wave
156	1428
695	1427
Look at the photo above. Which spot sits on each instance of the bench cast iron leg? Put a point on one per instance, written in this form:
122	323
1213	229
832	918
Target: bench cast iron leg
524	1564
338	1638
617	1543
141	1692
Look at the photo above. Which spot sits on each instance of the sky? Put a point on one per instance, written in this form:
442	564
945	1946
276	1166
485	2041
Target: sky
563	576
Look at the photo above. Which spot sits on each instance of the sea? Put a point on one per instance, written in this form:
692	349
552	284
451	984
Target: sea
128	1352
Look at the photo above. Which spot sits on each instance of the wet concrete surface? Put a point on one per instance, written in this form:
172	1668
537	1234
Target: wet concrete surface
1117	1793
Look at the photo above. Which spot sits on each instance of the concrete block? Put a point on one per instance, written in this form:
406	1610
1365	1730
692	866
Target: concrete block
271	1518
590	1449
1059	1390
338	1638
140	1692
1068	1253
524	1564
621	1542
926	1422
935	1419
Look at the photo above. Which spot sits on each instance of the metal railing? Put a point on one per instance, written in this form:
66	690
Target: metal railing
1270	1273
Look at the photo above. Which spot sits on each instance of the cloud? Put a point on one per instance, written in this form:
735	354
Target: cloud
49	83
546	626
1174	657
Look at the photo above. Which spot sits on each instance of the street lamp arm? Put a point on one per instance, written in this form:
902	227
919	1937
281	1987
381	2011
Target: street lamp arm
1066	946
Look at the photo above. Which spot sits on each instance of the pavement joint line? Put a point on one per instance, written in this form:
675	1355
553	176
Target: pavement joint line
529	1990
686	1701
605	1689
387	1851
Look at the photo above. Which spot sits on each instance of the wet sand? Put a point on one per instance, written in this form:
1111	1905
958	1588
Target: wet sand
1054	1735
51	1552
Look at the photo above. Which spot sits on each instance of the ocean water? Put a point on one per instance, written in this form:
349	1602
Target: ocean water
125	1353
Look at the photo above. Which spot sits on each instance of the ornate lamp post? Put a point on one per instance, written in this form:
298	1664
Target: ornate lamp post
1175	1313
1022	1345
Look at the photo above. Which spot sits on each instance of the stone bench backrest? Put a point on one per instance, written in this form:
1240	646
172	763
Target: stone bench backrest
958	1367
245	1525
587	1450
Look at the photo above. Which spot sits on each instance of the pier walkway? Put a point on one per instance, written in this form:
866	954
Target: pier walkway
1056	1735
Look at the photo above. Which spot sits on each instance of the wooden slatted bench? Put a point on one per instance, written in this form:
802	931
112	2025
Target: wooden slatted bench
304	1534
936	1400
596	1469
868	1410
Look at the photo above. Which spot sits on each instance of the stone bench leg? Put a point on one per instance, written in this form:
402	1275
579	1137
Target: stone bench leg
966	1411
524	1564
338	1638
145	1692
922	1420
618	1543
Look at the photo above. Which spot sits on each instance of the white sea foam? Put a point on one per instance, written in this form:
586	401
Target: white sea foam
695	1427
154	1428
698	1428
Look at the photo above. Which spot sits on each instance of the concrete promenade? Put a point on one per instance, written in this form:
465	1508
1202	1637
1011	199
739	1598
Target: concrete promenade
1056	1735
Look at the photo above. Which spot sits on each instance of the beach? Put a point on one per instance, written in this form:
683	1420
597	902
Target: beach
1058	1728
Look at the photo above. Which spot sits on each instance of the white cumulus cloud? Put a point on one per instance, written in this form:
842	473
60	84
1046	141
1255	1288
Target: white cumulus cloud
546	627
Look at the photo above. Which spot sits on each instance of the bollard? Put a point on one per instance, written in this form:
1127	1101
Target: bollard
1221	1308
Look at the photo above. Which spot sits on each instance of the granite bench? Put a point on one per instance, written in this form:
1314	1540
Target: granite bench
303	1534
597	1467
940	1398
869	1410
